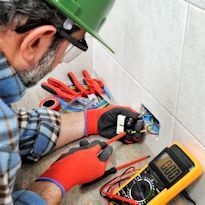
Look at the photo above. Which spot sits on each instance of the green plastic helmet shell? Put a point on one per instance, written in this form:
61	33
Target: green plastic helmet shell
88	14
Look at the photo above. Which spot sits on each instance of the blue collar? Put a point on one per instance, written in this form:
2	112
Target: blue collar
11	87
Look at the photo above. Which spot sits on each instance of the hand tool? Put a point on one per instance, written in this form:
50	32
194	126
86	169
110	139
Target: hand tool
117	137
58	88
77	84
94	86
84	92
82	88
89	92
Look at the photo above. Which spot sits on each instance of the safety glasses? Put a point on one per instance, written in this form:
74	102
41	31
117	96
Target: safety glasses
71	53
65	31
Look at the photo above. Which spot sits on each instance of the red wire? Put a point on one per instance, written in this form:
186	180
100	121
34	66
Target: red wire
111	186
131	163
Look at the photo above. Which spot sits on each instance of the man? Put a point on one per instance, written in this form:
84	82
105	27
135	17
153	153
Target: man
34	37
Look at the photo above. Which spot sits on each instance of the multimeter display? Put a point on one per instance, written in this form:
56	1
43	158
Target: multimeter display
168	167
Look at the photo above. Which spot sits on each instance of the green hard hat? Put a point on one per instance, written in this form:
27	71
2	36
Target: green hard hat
88	14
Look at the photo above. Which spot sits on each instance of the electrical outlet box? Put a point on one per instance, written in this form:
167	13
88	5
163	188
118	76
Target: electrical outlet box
152	124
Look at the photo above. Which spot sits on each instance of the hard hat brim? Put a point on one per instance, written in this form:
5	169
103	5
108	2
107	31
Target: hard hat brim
91	32
72	15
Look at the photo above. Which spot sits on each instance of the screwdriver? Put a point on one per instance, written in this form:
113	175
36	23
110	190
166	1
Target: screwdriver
116	138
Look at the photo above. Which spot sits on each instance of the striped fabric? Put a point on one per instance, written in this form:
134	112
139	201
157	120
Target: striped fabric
26	135
39	129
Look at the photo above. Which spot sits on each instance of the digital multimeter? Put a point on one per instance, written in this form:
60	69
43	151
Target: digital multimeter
163	178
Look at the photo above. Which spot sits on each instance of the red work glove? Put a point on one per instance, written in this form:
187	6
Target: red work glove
79	166
104	122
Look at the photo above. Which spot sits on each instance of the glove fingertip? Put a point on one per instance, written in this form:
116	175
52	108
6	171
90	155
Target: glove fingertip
84	142
105	154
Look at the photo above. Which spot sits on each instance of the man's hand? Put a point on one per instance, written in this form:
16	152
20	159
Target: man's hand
79	166
104	122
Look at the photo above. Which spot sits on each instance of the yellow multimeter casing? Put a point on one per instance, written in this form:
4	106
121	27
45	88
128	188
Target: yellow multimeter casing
163	178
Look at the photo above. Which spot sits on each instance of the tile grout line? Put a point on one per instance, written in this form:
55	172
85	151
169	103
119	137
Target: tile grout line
125	42
189	132
180	71
125	47
136	80
194	5
131	76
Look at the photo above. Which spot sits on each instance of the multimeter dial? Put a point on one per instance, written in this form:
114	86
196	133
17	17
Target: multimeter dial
143	188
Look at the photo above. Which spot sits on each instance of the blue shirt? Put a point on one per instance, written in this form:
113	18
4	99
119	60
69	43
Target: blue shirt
26	135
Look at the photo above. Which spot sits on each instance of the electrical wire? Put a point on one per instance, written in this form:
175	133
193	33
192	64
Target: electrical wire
149	127
108	188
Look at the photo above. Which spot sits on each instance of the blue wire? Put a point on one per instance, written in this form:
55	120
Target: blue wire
107	92
68	107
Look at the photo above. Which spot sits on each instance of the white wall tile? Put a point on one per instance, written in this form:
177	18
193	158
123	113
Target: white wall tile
109	70
154	43
113	32
185	138
191	102
135	95
126	91
197	3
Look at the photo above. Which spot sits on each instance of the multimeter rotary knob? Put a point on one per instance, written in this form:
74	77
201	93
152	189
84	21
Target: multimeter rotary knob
141	190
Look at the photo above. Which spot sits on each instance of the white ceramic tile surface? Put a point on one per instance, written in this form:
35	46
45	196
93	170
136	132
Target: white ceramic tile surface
197	3
183	136
113	31
109	70
135	95
191	100
154	43
126	91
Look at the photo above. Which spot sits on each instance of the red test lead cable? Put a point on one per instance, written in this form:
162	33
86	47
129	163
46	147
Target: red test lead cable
111	187
121	199
132	163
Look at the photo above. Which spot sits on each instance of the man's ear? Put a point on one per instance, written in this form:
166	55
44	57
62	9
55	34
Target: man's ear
36	43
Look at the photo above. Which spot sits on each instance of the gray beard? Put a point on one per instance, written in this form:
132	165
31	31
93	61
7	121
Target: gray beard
32	76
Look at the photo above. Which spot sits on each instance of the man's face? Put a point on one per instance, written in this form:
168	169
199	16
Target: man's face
32	75
36	53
